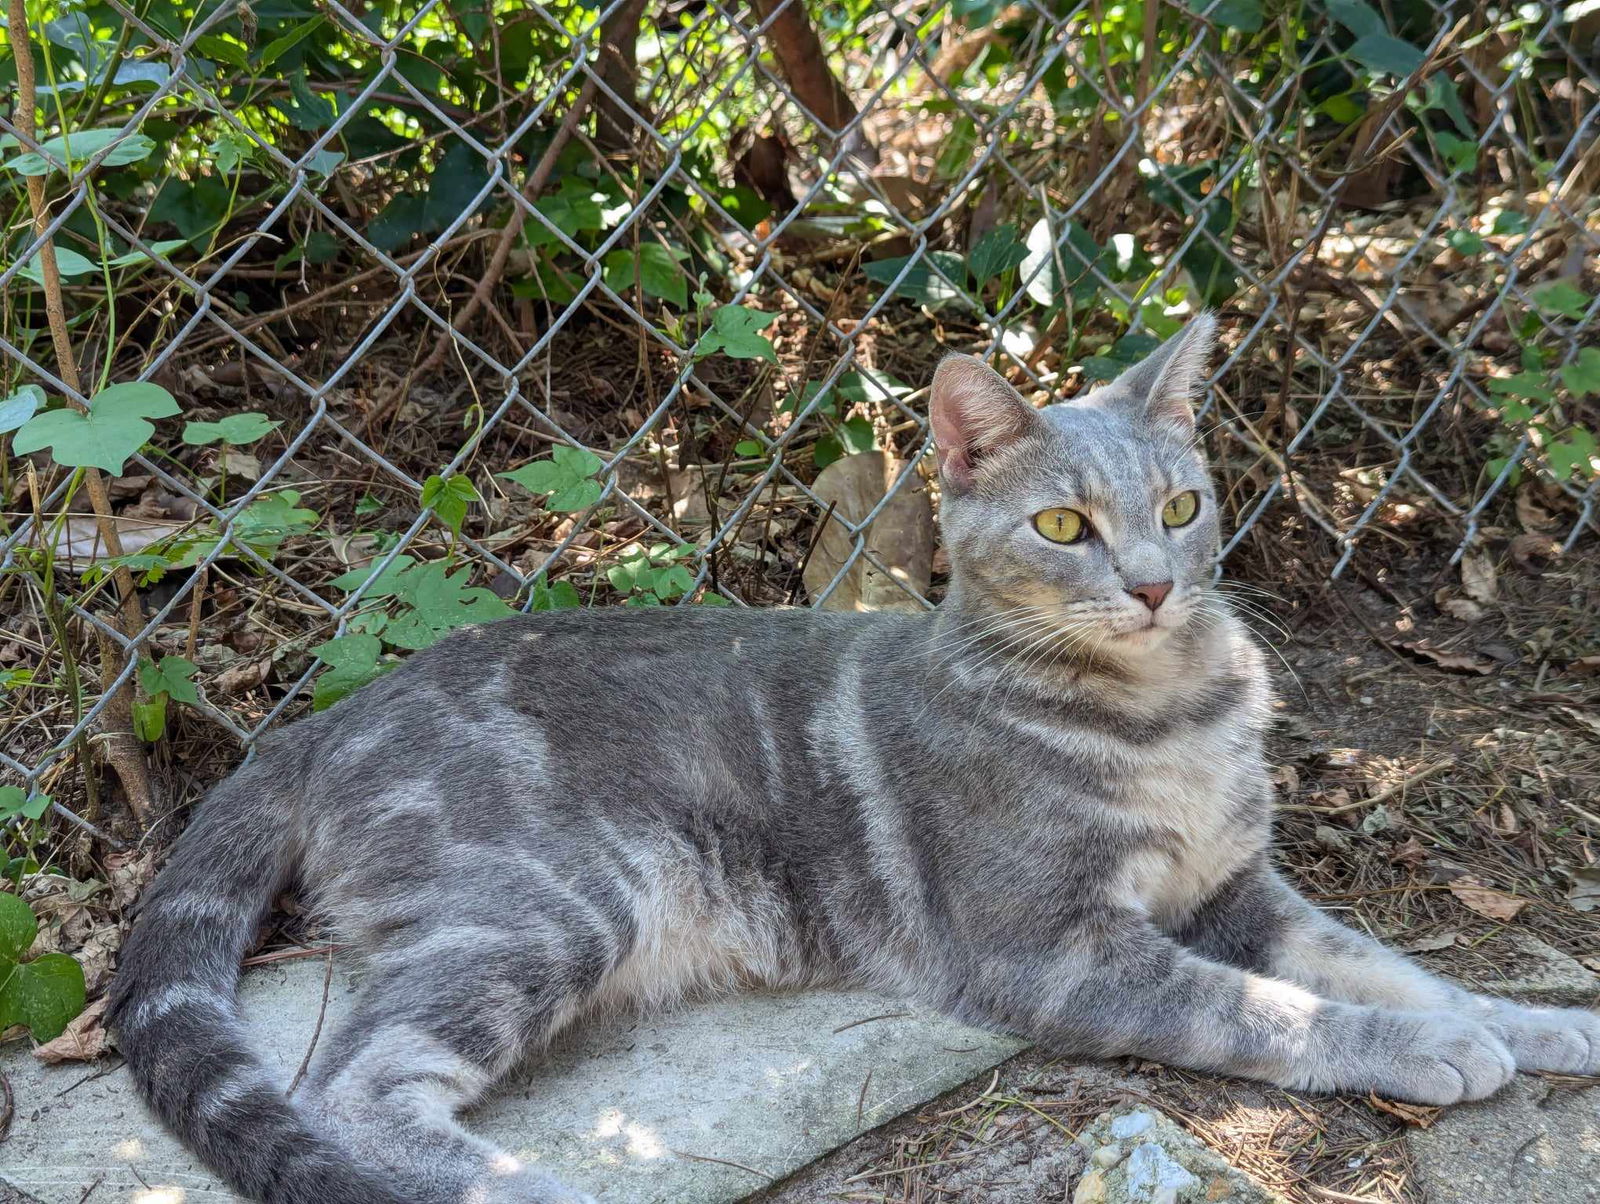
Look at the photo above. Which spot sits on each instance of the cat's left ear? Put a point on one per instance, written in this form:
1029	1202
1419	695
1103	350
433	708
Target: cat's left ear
1164	385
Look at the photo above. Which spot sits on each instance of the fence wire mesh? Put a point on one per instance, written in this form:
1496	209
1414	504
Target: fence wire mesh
476	307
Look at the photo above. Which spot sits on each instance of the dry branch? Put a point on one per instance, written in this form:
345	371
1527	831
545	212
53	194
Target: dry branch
804	64
123	748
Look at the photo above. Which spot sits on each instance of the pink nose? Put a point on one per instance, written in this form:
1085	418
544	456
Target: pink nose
1152	593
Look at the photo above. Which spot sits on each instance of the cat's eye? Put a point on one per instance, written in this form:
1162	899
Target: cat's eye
1061	525
1180	511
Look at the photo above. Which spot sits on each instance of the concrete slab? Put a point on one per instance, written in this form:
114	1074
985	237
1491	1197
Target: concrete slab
1534	972
706	1104
1536	1142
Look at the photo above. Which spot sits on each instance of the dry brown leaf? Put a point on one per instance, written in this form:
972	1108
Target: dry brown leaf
1410	853
1531	512
1464	609
242	675
1455	662
1478	577
901	537
1532	552
84	1040
1485	900
1584	893
1585	666
1417	1116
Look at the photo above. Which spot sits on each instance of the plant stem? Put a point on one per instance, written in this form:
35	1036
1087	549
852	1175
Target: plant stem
123	749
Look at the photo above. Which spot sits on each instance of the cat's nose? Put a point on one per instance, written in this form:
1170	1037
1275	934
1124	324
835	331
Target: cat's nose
1152	593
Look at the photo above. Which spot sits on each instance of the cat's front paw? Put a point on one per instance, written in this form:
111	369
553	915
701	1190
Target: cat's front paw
1566	1040
1442	1059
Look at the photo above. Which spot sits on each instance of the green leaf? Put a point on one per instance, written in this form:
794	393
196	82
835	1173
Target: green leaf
107	436
19	407
42	995
387	583
231	148
560	595
856	435
956	154
150	718
237	429
574	209
567	477
748	448
85	145
439	603
711	598
1359	17
1466	242
922	284
1574	452
1055	275
1561	297
1509	221
368	505
1386	54
655	270
1460	154
16	801
1243	15
352	662
734	332
276	49
1531	386
449	499
17	926
171	677
997	252
223	50
273	518
1582	375
69	265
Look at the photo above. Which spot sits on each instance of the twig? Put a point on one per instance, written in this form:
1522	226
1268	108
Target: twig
725	1162
1372	800
512	229
10	1106
316	1033
861	1099
870	1019
284	955
123	748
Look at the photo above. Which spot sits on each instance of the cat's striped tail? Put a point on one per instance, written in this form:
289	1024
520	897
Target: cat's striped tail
174	1013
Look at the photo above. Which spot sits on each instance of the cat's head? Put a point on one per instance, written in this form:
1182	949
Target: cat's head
1097	512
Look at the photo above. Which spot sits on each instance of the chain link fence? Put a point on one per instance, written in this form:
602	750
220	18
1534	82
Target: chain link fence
463	308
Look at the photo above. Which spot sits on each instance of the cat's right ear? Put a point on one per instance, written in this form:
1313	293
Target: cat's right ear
974	414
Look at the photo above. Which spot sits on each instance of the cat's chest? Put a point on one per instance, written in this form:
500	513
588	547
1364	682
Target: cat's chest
1195	816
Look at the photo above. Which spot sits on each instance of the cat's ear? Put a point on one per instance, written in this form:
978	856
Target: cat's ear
974	414
1163	386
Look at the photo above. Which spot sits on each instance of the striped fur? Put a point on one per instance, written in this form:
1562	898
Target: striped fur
1042	808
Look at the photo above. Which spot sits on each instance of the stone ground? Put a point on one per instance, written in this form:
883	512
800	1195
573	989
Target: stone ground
838	1096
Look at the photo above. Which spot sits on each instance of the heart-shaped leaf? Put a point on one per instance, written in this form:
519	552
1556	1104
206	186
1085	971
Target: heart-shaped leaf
43	994
237	429
107	436
19	407
735	332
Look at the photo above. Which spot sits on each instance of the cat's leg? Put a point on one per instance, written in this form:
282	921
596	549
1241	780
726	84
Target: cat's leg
1117	986
1259	922
427	1038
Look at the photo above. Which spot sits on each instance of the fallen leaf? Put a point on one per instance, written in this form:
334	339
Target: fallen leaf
84	1039
900	538
1430	944
1584	893
1531	512
1454	662
1464	609
1417	1116
1585	666
1485	900
1532	552
242	676
1411	853
1478	577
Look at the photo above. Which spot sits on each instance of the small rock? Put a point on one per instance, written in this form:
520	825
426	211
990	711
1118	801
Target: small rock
1091	1189
1166	1165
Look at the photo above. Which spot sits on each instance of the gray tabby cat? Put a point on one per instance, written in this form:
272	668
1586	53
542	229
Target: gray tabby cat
1042	808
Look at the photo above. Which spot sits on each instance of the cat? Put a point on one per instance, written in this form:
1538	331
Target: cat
1043	808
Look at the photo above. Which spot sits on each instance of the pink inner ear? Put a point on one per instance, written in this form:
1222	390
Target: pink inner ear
973	411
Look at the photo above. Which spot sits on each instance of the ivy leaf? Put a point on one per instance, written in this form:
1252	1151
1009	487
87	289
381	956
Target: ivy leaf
43	994
1581	376
655	270
231	147
560	595
734	332
387	583
269	520
352	662
85	145
1243	15
449	499
567	477
170	677
14	800
1571	453
1530	386
107	436
19	407
929	282
1561	297
1465	242
439	603
1386	54
996	253
237	429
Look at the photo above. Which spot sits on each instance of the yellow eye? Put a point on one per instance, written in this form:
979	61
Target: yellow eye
1181	510
1061	525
